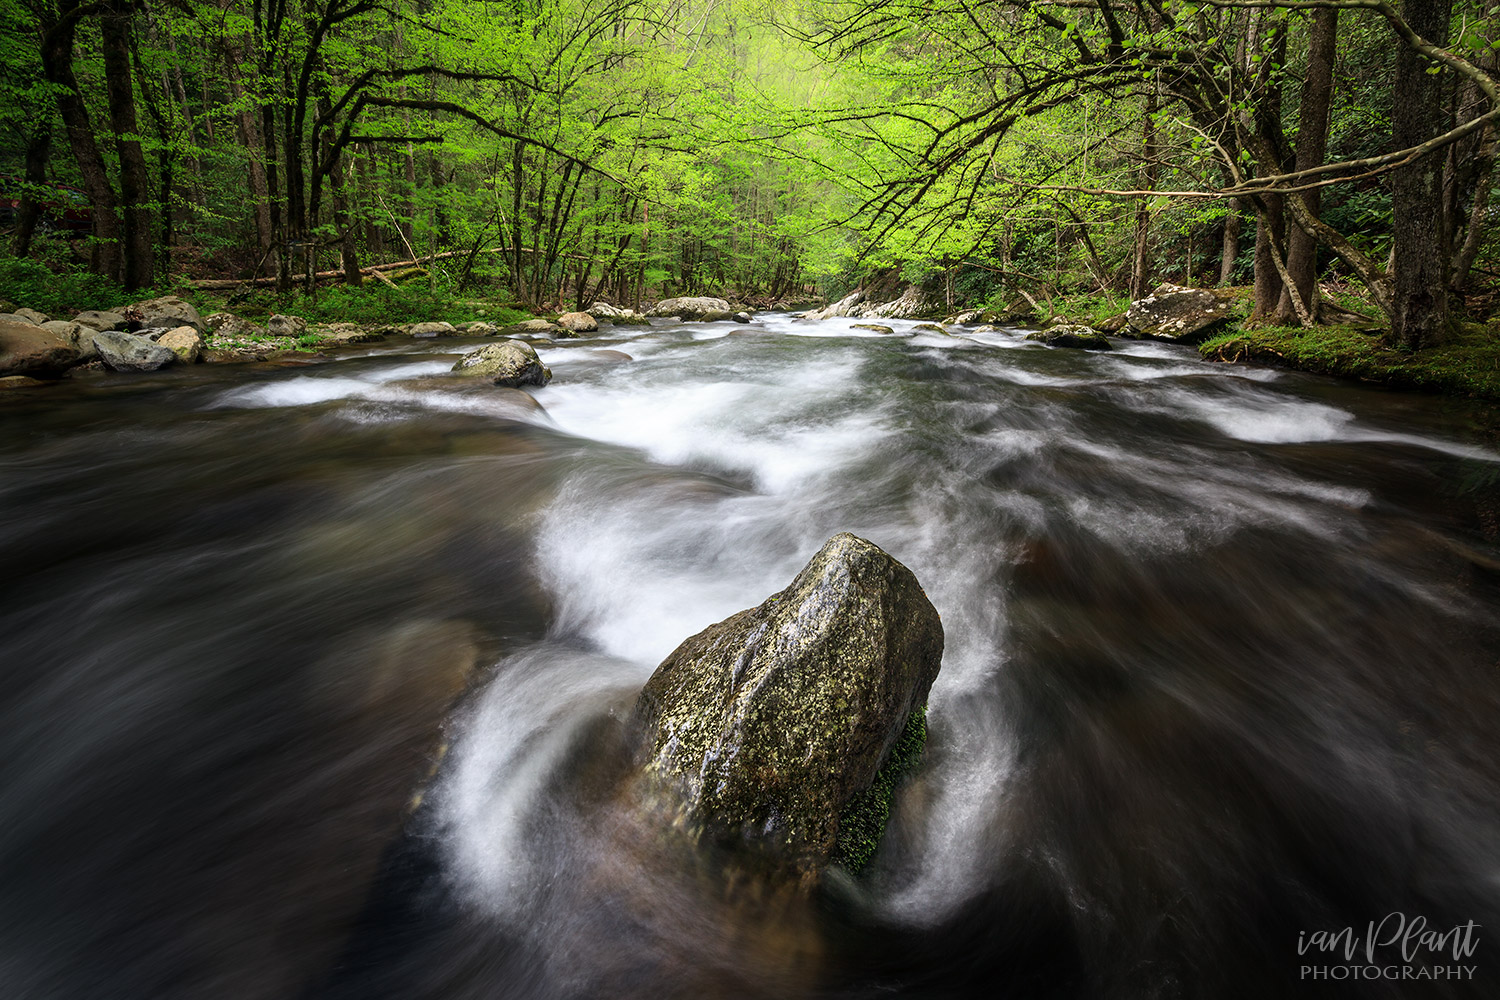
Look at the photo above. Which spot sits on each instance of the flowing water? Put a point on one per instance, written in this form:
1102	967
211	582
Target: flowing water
1222	669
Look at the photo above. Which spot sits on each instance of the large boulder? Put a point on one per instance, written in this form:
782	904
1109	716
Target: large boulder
912	303
27	349
510	362
698	307
168	311
1173	312
578	322
845	306
185	342
125	352
94	319
761	730
1072	335
76	334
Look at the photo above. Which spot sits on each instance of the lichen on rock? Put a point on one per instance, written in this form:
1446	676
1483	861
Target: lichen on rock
761	730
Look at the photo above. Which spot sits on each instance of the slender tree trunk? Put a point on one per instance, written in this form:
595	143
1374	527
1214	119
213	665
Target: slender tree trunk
1419	279
1463	264
1270	215
1312	146
1230	249
114	28
249	136
38	145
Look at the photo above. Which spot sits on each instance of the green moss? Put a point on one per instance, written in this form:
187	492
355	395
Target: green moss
862	823
1469	365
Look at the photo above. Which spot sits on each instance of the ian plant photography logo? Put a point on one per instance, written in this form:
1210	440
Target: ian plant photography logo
1394	947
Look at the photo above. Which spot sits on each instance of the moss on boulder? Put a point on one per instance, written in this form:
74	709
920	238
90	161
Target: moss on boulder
765	730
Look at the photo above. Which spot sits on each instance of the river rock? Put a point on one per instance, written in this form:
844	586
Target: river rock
913	303
761	729
741	317
79	336
1173	312
928	328
479	328
603	310
699	307
169	312
533	326
1072	335
95	319
285	326
231	327
185	342
578	322
125	352
22	382
874	327
27	349
423	331
510	362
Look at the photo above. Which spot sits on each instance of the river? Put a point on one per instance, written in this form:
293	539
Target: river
1222	670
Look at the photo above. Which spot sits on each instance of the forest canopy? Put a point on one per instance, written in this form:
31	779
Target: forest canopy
562	151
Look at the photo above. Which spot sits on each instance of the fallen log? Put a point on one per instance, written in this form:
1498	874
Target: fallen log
216	284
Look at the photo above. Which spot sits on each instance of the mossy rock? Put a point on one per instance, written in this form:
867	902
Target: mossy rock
764	730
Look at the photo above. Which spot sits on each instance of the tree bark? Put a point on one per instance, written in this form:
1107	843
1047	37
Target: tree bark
248	132
38	145
1463	264
1419	279
1312	147
1140	260
138	265
57	66
1230	250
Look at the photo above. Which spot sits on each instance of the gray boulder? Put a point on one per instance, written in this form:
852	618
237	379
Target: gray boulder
434	329
1172	312
578	322
1073	335
741	317
510	362
285	326
27	349
94	319
125	352
81	337
696	307
762	730
169	312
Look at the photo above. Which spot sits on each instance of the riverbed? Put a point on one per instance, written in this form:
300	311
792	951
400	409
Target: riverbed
314	674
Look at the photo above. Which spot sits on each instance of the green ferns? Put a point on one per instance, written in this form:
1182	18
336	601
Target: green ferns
863	820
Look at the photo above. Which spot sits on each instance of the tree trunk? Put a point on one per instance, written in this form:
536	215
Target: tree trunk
1463	264
138	265
38	145
57	65
1419	279
250	140
1233	224
1312	146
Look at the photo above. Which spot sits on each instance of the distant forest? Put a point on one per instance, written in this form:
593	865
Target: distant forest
572	150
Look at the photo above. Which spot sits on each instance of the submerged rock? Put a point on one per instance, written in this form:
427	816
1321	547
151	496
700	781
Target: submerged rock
510	363
761	730
1172	312
1074	335
125	352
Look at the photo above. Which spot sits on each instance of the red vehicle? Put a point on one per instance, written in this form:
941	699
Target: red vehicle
65	209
